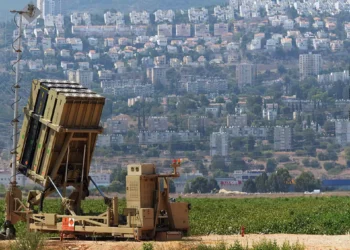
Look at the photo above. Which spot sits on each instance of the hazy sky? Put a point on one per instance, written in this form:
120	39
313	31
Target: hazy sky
7	5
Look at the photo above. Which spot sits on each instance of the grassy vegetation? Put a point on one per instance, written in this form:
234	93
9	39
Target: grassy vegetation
263	245
299	215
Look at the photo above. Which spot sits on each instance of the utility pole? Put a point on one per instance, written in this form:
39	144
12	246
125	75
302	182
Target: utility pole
30	13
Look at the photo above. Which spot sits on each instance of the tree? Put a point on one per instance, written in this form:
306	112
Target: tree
249	186
219	99
281	69
213	185
271	165
230	107
306	182
201	185
203	100
279	181
250	143
218	163
347	153
261	183
283	179
329	128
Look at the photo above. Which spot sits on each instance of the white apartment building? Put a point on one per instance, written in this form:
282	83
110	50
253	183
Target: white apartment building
183	30
334	77
302	43
111	18
270	112
246	74
201	30
165	30
157	123
220	29
51	7
219	144
237	120
271	45
224	13
117	126
282	138
198	15
342	131
139	17
309	64
197	123
164	16
255	44
235	131
84	77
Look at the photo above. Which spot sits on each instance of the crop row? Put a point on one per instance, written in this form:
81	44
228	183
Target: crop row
300	215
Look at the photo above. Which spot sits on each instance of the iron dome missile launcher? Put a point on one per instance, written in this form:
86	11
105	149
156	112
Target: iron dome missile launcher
55	148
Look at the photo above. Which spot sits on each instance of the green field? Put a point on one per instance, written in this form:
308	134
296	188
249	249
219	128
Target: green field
301	215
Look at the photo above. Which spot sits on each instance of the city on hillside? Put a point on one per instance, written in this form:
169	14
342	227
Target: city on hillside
247	94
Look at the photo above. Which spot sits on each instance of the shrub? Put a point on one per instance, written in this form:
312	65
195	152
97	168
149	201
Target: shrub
28	241
322	157
328	165
306	162
283	158
332	155
291	166
314	164
147	246
267	154
300	152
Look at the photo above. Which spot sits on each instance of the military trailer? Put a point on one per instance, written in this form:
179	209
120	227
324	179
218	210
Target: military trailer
56	143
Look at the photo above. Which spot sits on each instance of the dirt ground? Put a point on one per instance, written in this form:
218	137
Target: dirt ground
311	242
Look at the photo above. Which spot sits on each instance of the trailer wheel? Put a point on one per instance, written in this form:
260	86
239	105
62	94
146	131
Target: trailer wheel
10	230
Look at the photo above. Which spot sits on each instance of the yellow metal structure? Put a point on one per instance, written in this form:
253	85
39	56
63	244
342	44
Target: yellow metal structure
58	136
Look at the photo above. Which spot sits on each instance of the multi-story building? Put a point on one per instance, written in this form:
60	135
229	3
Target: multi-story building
183	30
206	85
282	138
157	123
198	15
343	106
84	77
160	137
309	65
201	30
219	144
342	131
113	18
246	74
270	111
237	120
131	90
301	105
197	123
220	29
165	30
117	126
334	77
157	75
139	17
164	16
235	131
224	13
50	7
